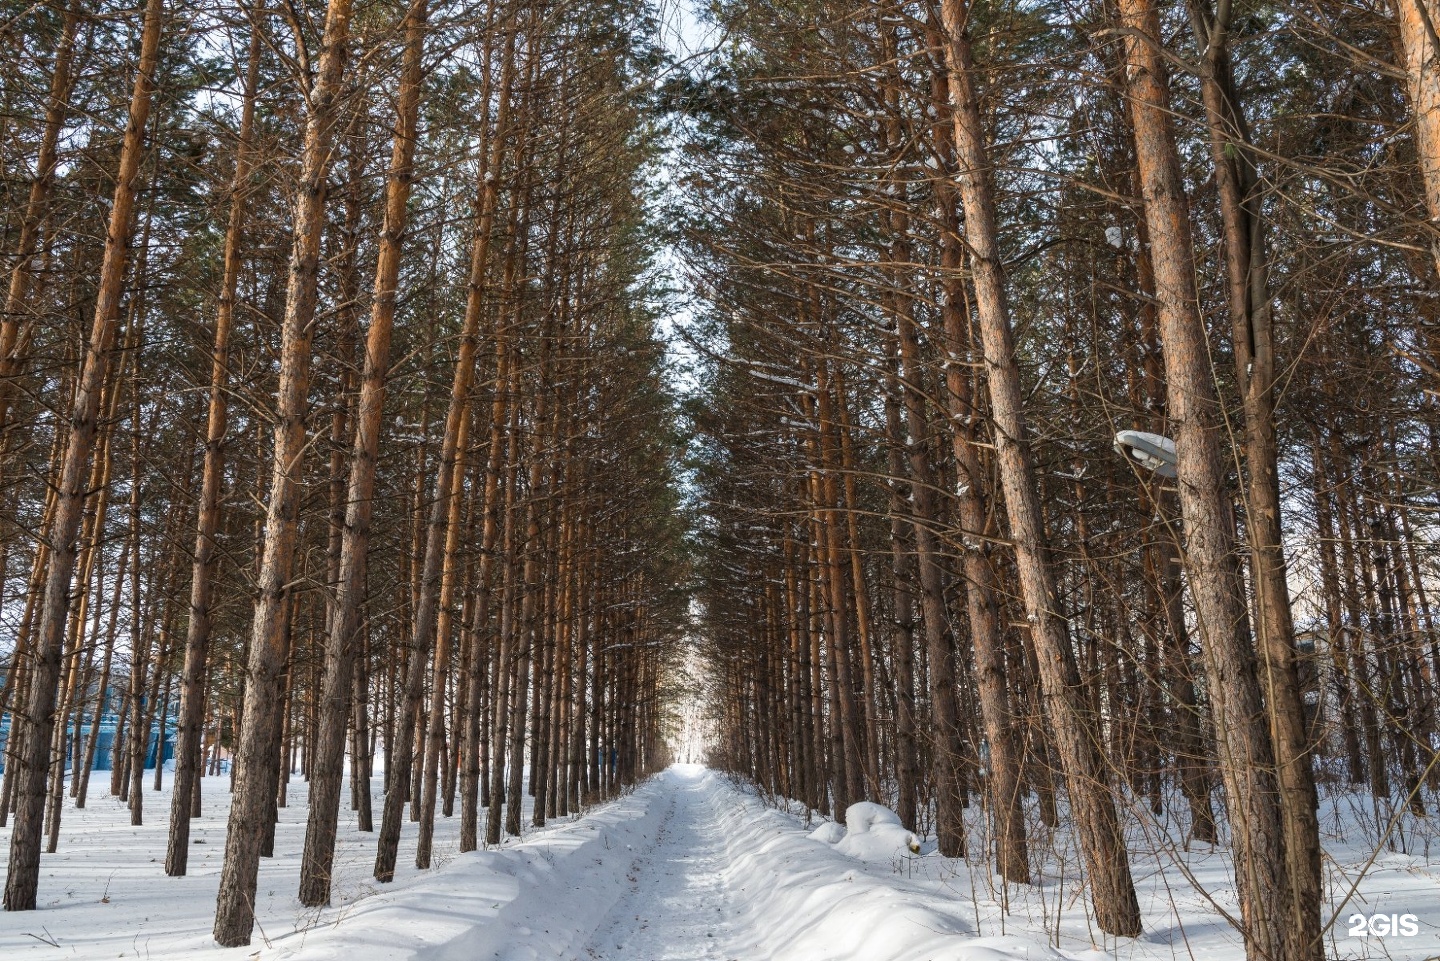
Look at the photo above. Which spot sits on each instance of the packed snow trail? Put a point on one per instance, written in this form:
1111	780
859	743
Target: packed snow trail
678	907
686	867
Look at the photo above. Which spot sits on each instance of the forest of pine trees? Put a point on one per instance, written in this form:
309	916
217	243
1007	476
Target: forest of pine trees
335	418
432	390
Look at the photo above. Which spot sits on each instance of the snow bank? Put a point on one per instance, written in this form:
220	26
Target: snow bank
547	893
686	867
833	900
831	893
104	894
873	832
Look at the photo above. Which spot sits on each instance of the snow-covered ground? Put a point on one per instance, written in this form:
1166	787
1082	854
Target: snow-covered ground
687	867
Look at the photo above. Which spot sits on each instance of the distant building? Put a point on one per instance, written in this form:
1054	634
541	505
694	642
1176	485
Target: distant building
109	723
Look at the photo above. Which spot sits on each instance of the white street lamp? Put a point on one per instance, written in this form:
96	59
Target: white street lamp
1151	451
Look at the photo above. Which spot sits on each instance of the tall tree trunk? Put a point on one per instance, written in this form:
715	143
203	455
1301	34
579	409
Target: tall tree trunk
442	533
102	693
986	635
1419	49
207	556
476	671
37	725
362	754
254	783
1247	760
902	643
1248	293
850	785
526	635
506	656
1092	805
337	686
62	81
1337	635
946	759
870	750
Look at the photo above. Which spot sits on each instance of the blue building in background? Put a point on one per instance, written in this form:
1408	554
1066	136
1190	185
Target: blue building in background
104	748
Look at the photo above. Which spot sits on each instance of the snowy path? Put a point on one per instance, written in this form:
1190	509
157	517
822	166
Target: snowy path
678	907
687	867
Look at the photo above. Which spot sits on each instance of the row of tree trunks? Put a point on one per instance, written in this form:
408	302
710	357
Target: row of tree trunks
1113	891
256	774
34	737
339	686
835	209
207	558
1280	921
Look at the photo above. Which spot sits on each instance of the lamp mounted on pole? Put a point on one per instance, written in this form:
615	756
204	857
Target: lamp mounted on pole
1151	451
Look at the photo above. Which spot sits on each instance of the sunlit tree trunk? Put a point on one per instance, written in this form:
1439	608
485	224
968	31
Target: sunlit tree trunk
1092	805
1247	761
337	684
36	726
250	817
1251	315
13	323
1419	49
207	557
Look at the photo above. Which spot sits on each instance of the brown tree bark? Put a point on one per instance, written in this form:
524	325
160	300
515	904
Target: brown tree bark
1247	761
986	636
207	558
103	687
1096	820
62	79
528	629
337	684
1337	635
946	759
1251	315
845	725
37	726
476	740
442	533
1419	49
902	642
870	749
250	816
506	655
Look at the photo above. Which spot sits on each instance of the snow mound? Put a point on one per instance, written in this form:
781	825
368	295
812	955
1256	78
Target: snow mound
1008	948
863	816
828	833
873	832
484	904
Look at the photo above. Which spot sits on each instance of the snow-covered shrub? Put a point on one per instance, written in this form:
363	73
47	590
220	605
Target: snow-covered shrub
872	832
